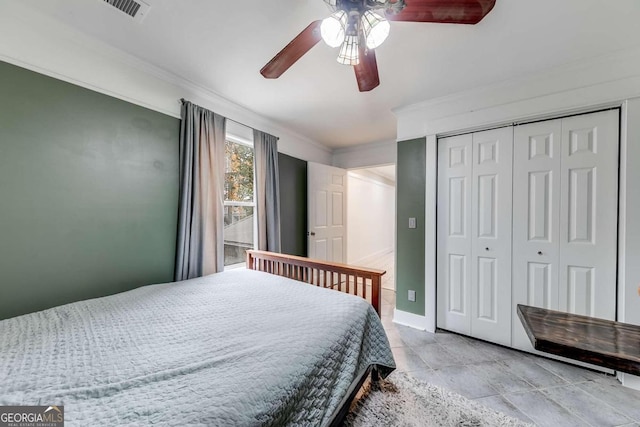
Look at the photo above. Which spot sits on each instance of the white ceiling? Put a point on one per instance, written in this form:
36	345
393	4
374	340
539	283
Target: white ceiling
222	45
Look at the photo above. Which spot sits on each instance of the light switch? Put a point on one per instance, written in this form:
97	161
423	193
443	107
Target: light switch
412	296
412	223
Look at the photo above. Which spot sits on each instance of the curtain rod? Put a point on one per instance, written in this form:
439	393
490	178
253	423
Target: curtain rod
182	101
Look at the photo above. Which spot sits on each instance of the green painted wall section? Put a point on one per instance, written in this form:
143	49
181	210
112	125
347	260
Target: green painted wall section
293	205
88	193
410	245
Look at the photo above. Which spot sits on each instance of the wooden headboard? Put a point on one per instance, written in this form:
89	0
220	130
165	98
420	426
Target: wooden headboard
360	281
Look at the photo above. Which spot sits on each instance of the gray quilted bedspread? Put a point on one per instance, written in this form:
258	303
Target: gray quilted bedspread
235	348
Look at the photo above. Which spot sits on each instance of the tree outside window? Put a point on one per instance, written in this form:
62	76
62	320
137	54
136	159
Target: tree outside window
239	204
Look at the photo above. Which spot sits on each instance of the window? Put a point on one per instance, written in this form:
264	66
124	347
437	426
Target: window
239	203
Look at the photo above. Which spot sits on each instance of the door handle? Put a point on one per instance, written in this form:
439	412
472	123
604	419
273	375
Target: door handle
311	233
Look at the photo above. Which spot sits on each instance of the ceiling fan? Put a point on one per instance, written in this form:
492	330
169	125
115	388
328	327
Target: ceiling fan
360	26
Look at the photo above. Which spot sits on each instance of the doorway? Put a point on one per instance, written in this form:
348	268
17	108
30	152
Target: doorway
371	212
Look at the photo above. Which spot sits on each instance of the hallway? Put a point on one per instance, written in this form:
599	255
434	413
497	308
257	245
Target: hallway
384	262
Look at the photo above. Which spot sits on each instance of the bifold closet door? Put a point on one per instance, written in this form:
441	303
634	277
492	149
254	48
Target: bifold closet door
536	218
454	233
589	214
491	200
474	234
565	216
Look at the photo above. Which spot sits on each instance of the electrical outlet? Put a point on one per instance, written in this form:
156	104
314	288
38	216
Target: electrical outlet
412	223
412	296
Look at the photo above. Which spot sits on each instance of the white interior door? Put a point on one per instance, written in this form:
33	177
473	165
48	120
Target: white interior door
536	216
327	187
588	214
455	156
491	235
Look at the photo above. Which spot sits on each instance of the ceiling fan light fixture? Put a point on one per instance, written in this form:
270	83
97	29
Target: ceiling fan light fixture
375	27
350	51
333	28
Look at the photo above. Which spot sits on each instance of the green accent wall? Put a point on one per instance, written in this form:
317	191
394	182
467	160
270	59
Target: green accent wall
410	245
293	205
88	193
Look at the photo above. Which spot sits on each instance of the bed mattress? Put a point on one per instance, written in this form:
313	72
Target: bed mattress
235	348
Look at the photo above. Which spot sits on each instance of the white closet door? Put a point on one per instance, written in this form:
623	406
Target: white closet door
565	217
491	235
588	214
455	156
527	222
536	214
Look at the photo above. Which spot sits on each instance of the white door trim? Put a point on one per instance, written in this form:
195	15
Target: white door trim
430	239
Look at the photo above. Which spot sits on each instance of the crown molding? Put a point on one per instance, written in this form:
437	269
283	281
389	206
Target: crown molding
613	66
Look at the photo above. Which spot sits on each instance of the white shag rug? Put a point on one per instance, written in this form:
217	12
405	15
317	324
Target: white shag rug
404	401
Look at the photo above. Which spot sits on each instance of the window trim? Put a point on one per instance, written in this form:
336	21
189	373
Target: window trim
239	140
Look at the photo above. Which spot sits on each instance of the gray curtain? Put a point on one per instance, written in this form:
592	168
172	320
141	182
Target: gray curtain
200	243
267	191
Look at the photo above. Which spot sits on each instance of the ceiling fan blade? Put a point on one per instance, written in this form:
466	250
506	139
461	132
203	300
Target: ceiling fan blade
444	11
288	56
367	71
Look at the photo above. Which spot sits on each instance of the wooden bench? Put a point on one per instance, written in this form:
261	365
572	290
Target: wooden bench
606	343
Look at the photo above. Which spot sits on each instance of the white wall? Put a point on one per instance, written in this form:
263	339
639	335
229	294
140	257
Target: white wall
370	215
612	80
39	43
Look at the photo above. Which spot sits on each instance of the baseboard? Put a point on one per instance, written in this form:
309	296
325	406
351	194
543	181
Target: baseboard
629	380
409	319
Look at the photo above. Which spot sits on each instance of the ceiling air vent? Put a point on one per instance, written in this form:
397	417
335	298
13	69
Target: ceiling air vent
134	8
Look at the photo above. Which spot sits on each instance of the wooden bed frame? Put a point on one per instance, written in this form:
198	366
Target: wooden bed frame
341	277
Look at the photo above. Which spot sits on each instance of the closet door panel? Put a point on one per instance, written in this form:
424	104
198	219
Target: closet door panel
527	215
491	235
536	213
588	214
454	233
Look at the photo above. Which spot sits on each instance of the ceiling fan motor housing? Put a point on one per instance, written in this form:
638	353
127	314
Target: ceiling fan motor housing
391	6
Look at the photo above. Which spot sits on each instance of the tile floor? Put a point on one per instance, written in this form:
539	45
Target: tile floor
534	389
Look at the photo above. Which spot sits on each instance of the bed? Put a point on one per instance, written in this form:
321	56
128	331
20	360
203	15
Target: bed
242	347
